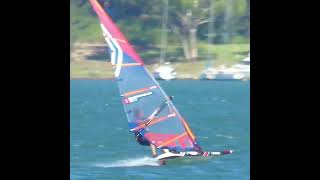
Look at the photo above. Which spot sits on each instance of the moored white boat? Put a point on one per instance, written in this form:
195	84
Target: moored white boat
240	71
165	72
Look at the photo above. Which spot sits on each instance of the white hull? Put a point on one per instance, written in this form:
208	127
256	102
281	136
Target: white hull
163	76
239	71
165	72
225	76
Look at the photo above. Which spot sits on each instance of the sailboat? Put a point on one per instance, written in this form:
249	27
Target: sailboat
145	101
240	71
164	71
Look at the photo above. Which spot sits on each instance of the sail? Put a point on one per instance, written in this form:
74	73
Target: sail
148	108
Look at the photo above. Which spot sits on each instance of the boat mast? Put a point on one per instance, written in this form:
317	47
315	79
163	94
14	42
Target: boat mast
164	32
210	36
228	22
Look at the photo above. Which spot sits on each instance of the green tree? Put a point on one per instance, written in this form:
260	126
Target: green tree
186	16
140	21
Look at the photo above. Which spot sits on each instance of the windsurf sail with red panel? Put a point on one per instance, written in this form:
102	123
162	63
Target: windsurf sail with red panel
148	108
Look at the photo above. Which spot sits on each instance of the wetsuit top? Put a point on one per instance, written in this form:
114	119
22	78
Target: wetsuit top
141	140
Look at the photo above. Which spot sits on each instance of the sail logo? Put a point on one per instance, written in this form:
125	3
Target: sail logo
135	98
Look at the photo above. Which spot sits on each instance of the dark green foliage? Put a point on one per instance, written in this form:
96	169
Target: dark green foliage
141	19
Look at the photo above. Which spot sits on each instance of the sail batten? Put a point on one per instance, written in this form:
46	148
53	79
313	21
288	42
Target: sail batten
153	121
148	108
139	91
172	140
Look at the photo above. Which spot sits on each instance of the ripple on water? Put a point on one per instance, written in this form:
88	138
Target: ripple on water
225	136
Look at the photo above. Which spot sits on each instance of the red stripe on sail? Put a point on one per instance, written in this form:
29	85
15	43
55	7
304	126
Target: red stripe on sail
170	141
153	121
158	139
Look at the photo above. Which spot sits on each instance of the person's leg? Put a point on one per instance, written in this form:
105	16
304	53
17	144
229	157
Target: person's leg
153	150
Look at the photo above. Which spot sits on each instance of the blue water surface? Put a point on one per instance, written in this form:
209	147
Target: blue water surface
102	148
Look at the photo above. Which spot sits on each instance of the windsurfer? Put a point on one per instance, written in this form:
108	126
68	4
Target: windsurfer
137	134
144	142
139	116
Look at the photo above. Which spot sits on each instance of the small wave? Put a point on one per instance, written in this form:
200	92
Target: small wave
144	161
203	137
223	100
225	136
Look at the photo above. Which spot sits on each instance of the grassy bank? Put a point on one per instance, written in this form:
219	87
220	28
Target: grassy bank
102	69
226	54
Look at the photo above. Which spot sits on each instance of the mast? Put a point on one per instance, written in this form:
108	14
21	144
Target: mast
228	21
164	32
210	35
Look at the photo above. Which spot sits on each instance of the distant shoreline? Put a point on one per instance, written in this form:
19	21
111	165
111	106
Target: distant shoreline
91	78
98	78
165	80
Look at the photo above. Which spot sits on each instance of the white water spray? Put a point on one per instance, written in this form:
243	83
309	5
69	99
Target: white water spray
144	161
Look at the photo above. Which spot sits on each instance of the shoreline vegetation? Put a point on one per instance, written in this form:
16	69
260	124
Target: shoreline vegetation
186	46
91	60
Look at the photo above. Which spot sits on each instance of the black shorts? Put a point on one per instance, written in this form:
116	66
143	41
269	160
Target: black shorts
142	141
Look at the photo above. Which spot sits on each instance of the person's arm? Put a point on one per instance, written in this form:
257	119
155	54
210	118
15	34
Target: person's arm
158	110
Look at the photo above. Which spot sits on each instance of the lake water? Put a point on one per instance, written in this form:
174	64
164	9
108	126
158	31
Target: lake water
102	147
